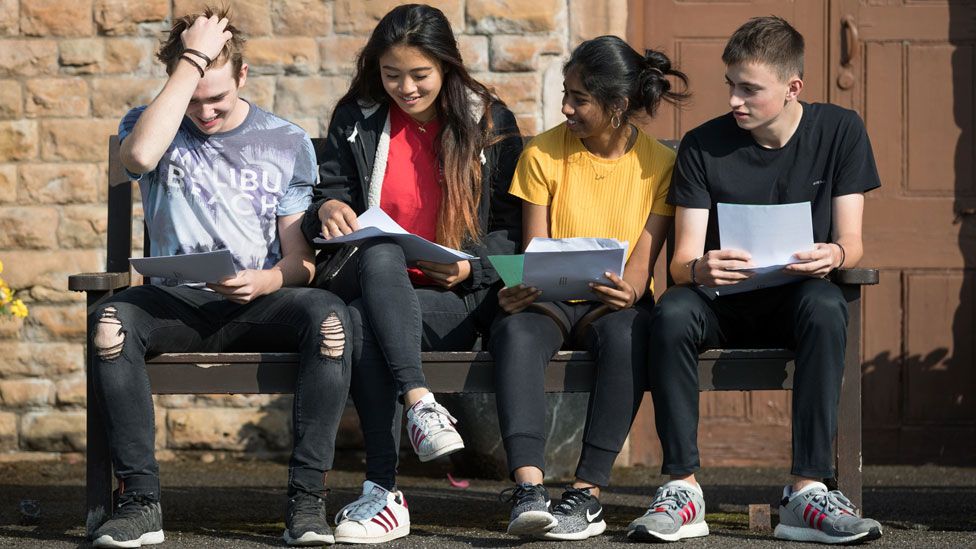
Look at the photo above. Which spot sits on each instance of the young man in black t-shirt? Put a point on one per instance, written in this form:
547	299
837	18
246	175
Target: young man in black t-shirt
771	149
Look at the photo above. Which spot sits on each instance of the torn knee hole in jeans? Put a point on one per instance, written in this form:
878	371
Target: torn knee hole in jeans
333	337
109	337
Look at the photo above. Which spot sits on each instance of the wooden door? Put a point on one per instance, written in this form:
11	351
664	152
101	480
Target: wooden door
736	428
907	67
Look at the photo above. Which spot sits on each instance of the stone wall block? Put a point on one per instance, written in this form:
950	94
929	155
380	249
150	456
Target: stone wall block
28	57
283	56
8	183
59	183
28	227
356	16
260	90
591	19
129	55
519	91
11	327
301	17
339	52
32	268
56	18
72	390
9	25
521	53
474	52
83	226
514	16
64	97
61	322
21	359
11	99
8	431
314	95
116	17
79	140
113	97
24	393
53	431
81	55
18	140
229	429
251	16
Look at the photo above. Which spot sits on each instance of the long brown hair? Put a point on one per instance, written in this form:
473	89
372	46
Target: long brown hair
460	139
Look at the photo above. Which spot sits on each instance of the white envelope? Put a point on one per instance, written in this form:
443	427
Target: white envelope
375	223
197	267
564	267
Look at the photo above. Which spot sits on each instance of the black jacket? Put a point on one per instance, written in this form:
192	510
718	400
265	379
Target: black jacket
345	167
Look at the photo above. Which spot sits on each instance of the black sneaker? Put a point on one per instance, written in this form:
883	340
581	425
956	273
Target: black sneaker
305	523
137	521
530	510
579	516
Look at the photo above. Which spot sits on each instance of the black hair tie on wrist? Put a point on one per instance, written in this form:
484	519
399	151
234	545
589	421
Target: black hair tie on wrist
199	54
843	255
193	62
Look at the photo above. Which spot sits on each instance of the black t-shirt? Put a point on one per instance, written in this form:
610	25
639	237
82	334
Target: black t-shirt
829	155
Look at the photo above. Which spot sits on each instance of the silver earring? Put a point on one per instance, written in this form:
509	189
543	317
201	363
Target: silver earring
615	121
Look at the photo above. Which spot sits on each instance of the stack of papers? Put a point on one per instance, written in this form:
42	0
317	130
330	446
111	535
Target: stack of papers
563	268
375	223
771	234
198	267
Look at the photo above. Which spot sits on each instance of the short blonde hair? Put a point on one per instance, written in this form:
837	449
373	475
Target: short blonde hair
171	48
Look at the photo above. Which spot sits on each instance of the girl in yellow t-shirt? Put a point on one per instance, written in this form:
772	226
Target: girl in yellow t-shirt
595	175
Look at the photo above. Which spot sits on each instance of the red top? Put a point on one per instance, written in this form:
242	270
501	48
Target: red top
411	187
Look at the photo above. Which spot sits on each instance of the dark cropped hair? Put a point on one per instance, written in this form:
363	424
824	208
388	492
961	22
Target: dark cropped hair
460	140
612	71
768	40
172	46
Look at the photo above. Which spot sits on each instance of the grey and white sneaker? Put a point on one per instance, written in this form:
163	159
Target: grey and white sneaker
677	512
431	429
579	516
530	510
305	522
815	514
137	521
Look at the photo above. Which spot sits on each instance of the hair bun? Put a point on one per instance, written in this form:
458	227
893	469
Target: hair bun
657	62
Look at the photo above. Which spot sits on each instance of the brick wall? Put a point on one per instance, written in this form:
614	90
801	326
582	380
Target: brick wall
69	70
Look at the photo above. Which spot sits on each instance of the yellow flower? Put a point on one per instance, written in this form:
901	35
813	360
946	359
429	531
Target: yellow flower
1	266
18	308
5	294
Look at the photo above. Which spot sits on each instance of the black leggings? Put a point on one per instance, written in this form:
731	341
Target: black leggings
809	317
522	345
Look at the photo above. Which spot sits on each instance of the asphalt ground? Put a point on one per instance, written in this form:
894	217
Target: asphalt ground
240	503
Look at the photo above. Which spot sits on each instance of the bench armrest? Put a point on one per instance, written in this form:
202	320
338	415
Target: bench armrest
855	276
88	282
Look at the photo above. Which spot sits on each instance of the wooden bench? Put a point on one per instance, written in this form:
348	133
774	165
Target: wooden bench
446	372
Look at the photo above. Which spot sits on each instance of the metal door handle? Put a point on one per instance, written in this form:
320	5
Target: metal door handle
850	40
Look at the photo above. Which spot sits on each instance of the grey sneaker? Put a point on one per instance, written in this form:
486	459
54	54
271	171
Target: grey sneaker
677	512
579	516
814	514
137	521
305	522
530	510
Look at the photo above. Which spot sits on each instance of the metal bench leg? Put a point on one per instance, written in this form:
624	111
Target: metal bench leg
98	491
849	458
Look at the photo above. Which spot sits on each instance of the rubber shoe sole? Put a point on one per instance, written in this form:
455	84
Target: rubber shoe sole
449	449
532	523
641	533
396	533
594	529
309	539
798	533
149	538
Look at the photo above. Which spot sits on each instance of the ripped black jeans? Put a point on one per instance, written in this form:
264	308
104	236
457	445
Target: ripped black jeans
147	320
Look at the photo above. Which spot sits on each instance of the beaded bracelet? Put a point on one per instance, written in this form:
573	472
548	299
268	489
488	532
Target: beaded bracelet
191	61
199	54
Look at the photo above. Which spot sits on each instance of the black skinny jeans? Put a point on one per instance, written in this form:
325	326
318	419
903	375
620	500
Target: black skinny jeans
522	345
809	317
156	319
392	323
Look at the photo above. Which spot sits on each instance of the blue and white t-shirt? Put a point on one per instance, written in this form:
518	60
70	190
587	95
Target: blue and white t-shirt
226	191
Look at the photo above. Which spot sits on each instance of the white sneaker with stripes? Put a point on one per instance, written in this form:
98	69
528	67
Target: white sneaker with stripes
376	517
431	429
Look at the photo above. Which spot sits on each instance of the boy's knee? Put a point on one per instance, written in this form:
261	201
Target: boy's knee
333	337
109	334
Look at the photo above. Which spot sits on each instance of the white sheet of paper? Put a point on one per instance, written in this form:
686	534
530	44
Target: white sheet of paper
375	223
771	234
563	267
198	267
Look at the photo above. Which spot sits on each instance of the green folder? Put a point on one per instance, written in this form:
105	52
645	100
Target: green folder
509	267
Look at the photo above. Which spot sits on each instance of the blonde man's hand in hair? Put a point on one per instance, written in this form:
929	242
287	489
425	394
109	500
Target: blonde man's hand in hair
207	35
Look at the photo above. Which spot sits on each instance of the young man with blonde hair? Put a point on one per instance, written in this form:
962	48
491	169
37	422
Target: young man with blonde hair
218	173
771	149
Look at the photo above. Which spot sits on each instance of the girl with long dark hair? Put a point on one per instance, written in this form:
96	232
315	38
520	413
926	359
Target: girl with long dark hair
418	137
595	175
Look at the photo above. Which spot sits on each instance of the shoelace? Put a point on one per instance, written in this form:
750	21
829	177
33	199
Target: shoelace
834	503
670	498
516	494
430	416
307	505
131	506
571	498
363	508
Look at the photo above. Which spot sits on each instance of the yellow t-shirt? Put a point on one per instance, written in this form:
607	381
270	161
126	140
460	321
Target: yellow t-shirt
589	196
